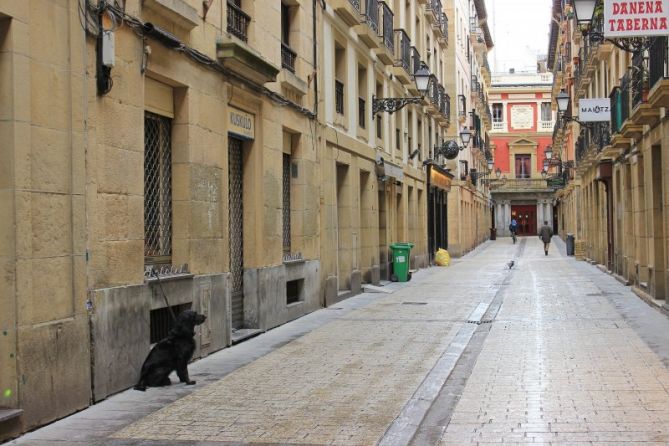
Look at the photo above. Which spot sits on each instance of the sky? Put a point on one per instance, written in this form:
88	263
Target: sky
519	31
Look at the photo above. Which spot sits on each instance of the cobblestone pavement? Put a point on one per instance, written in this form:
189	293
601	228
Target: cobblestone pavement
559	352
562	366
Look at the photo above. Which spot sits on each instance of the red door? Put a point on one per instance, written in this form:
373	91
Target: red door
526	216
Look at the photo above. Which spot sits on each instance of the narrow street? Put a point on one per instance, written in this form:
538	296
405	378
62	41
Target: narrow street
551	351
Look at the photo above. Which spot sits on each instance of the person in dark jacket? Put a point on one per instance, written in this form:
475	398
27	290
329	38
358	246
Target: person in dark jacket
545	234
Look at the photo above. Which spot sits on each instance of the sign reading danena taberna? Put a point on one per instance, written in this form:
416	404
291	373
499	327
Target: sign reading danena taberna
636	18
594	110
241	124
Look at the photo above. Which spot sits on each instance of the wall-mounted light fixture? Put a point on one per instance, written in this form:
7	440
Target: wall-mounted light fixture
391	105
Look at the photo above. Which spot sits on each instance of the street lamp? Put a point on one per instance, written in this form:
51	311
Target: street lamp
543	174
391	105
498	173
548	152
584	11
491	164
450	148
562	100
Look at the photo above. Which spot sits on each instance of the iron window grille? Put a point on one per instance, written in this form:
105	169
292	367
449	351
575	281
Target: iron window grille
361	112
288	57
286	202
157	189
339	97
659	61
161	321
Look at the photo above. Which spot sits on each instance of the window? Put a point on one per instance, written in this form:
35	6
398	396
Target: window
157	189
361	112
523	166
397	139
497	113
339	97
546	114
286	202
288	56
462	106
340	75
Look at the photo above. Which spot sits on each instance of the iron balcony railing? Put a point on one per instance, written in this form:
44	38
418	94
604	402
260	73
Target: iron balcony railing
288	57
238	22
582	144
658	61
616	97
356	4
625	82
371	14
445	107
402	49
434	6
444	26
601	135
639	78
386	31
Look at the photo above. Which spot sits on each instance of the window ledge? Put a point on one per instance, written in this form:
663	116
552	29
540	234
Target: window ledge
170	278
291	81
177	11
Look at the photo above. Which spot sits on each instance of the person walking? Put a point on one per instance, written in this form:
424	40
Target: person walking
513	229
545	234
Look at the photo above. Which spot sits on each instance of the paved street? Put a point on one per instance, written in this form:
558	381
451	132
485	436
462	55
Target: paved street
552	351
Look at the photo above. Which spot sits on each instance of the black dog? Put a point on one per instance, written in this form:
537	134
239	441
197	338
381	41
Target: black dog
171	353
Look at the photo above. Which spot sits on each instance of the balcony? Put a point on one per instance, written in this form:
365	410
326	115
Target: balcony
386	51
519	185
433	11
350	11
442	36
368	31
402	62
499	126
658	78
546	126
234	54
238	22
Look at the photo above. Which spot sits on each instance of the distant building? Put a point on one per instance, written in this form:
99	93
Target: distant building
522	131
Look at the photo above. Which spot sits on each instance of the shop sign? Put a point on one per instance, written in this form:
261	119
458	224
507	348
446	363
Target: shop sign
440	180
594	110
241	124
636	18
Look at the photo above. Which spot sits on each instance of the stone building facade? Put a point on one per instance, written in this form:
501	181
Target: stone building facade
523	120
227	156
469	76
614	202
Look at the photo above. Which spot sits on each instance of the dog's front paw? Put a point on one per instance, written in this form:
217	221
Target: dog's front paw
190	383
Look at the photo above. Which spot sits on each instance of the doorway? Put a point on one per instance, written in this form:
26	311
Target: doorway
526	216
236	230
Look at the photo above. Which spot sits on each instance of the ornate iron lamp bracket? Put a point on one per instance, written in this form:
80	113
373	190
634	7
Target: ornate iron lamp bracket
391	105
628	44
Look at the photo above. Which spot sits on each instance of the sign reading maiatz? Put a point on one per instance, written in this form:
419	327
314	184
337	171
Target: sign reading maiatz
636	18
594	110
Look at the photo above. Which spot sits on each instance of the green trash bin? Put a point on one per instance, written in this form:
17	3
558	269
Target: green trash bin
401	256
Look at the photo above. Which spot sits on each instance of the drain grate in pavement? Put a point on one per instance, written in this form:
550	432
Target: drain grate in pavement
414	303
486	321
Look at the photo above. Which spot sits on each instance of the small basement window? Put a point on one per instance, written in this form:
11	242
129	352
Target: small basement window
294	291
161	320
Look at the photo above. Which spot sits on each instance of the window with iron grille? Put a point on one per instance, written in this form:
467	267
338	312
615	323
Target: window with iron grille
339	97
161	321
361	112
286	202
157	189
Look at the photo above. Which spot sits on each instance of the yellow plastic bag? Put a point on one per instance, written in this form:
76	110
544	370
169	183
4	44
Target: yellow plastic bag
442	258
